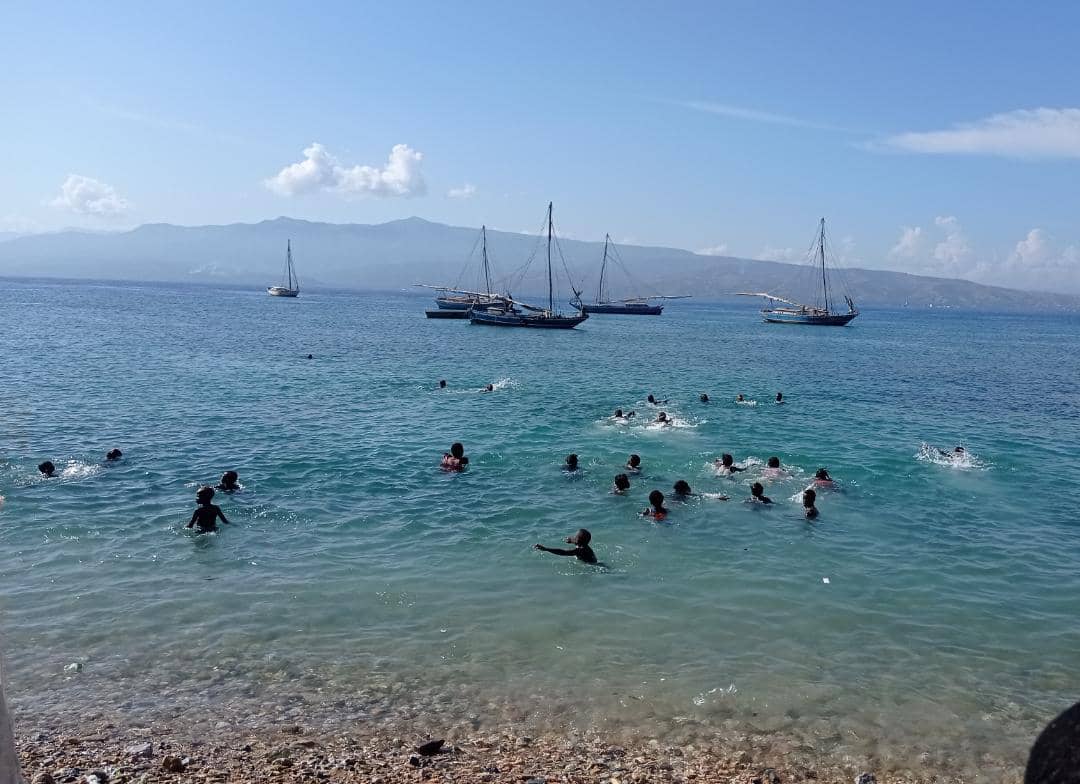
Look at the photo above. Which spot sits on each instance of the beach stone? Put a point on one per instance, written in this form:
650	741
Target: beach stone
44	778
865	778
140	751
97	777
770	776
172	764
73	667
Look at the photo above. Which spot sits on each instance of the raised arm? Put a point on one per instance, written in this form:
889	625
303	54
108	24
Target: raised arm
554	550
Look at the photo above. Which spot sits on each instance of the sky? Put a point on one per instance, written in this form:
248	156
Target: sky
936	138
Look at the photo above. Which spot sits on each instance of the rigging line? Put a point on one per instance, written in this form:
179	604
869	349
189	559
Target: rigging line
517	277
468	260
632	278
566	269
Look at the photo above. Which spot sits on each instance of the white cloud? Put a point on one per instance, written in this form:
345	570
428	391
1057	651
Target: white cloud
910	243
321	171
769	253
1025	133
466	191
1032	250
87	196
754	115
715	250
953	253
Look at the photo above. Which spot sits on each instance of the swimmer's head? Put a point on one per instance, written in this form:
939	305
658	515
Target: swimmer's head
740	397
682	487
204	495
581	538
656	498
779	397
114	454
662	417
757	490
457	450
442	383
808	497
727	461
571	462
959	450
230	478
823	474
622	482
774	462
634	461
47	468
651	398
309	356
618	413
703	398
489	388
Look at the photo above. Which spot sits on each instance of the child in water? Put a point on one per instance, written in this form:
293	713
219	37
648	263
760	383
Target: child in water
114	454
682	490
633	465
808	498
757	495
230	482
822	479
726	465
656	509
455	459
207	514
779	398
703	398
662	418
622	484
571	465
47	468
442	383
581	550
773	469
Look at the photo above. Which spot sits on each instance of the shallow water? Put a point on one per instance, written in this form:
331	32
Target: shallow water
930	610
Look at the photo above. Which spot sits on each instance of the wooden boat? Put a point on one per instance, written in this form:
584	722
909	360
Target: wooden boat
800	313
633	306
512	315
291	285
461	301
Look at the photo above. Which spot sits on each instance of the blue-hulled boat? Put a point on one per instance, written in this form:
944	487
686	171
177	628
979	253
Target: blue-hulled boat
513	315
455	303
633	306
799	313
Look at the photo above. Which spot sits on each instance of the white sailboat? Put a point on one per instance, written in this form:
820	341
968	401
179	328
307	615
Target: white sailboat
291	284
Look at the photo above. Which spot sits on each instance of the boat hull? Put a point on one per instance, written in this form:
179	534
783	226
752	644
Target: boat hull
609	309
447	313
281	291
533	321
811	319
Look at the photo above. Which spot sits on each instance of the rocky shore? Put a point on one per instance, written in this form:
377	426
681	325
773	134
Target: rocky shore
104	753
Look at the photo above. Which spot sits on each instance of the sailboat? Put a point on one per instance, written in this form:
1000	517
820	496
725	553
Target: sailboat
454	303
536	317
633	306
291	287
799	313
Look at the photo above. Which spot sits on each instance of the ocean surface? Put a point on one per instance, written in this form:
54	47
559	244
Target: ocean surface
928	619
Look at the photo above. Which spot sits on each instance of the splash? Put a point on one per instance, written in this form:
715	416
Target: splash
76	469
963	461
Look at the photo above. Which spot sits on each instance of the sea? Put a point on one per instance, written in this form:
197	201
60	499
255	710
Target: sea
927	620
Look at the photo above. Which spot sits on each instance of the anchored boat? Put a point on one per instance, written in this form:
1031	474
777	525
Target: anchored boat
799	313
518	314
291	285
651	305
455	303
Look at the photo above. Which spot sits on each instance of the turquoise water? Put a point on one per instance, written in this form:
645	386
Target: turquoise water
946	633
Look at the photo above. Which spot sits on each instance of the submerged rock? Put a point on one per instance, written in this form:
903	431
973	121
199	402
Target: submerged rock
140	751
431	748
172	764
865	778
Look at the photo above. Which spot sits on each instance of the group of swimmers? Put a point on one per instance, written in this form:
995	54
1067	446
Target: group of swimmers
47	468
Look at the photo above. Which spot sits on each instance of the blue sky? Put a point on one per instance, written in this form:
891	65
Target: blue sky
938	138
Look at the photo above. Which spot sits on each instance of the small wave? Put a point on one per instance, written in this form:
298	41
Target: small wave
504	383
76	469
749	403
964	460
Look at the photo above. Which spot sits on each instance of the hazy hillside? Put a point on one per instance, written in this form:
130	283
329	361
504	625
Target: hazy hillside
401	253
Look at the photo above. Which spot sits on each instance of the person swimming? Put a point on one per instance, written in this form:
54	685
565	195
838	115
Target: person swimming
757	494
682	489
571	464
822	478
113	454
47	468
726	465
663	419
633	465
489	388
581	550
622	484
779	398
230	482
455	459
808	498
442	383
739	398
652	399
656	509
207	514
703	398
773	469
309	356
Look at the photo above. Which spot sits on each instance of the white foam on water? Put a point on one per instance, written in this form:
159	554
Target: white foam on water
963	461
76	469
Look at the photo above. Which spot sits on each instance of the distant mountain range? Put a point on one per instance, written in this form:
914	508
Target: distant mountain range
404	252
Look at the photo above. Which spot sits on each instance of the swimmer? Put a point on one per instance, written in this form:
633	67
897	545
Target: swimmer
113	454
663	419
808	498
822	478
779	398
682	490
739	398
581	550
47	468
489	388
757	495
207	514
633	465
230	481
455	459
726	465
703	398
654	401
656	509
309	356
773	469
622	484
571	464
442	383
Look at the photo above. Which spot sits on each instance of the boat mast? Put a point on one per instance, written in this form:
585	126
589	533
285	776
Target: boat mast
551	291
821	249
487	273
288	261
603	264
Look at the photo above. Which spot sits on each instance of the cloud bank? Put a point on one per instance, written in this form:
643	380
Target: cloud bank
715	250
87	196
466	191
1026	133
321	171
